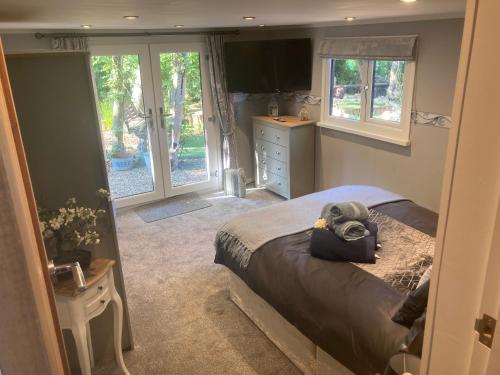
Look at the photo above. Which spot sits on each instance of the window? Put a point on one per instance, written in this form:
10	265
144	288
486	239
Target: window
371	98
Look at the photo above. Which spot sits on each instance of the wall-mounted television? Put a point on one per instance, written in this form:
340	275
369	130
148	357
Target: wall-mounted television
264	66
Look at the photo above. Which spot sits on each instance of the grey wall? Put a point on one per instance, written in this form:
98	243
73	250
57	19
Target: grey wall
55	104
22	335
414	171
341	158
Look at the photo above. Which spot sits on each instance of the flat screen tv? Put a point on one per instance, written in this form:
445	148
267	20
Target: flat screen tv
282	65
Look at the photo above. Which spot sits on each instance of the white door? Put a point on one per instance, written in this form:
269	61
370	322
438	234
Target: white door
155	118
188	136
486	347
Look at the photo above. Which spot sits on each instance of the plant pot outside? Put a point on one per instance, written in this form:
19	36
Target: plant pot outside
122	161
147	160
81	256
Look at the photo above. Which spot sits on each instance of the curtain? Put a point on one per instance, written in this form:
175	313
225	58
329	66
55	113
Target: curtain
223	105
370	48
72	43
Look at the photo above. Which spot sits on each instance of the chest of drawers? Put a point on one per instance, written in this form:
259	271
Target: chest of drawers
284	155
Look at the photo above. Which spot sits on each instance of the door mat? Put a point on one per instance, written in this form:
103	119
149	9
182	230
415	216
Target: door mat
171	207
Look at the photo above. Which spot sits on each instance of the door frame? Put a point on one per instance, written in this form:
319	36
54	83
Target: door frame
212	133
469	221
143	46
31	251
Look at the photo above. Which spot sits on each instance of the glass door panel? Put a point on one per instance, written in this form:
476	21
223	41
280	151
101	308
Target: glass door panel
155	115
124	97
189	137
183	117
124	127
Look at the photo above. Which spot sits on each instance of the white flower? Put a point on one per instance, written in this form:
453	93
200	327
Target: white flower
54	223
71	201
103	193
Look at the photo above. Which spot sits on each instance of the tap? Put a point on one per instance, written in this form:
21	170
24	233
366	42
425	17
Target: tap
75	269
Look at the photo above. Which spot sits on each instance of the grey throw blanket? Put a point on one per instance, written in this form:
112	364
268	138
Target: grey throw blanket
344	219
345	211
350	230
249	231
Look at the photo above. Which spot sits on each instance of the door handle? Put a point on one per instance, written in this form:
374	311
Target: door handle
148	118
163	115
74	268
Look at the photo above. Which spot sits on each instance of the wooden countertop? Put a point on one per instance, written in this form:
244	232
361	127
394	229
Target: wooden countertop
290	121
97	269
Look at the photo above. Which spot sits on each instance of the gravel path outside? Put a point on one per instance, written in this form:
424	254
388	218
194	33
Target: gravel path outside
139	180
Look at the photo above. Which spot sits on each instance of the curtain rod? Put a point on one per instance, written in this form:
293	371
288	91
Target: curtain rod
146	33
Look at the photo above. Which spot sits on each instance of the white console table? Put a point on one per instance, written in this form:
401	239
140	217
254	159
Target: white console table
75	309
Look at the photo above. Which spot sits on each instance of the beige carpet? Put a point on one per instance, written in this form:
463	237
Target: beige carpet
182	318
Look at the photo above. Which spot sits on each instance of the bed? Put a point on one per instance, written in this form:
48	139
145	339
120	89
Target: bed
329	317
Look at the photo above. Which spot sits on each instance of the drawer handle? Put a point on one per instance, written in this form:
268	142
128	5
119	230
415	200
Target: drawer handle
262	132
278	137
263	162
279	168
99	287
279	183
278	153
103	301
262	148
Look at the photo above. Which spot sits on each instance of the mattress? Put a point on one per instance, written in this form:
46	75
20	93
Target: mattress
339	306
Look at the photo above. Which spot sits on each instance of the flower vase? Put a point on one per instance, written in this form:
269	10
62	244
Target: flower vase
81	256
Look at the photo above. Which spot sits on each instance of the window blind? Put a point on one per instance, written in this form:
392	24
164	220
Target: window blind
370	48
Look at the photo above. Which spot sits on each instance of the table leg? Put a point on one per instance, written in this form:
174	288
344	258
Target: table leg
89	345
118	326
80	334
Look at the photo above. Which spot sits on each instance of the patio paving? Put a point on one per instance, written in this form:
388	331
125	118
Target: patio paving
138	180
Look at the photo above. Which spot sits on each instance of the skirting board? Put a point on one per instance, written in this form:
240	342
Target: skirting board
302	352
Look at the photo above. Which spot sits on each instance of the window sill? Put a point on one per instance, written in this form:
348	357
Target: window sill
365	133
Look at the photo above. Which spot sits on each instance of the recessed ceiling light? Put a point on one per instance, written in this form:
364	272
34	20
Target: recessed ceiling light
85	26
131	17
262	25
350	19
248	18
178	26
408	1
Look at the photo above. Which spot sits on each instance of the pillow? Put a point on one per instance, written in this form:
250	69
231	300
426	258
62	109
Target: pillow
426	276
414	306
326	245
414	341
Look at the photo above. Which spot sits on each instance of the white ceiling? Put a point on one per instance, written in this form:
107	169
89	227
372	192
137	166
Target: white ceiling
164	14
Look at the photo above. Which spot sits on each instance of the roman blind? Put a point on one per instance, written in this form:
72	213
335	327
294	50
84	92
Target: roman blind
370	47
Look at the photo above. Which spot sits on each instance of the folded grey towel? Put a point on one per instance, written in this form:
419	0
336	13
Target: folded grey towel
344	211
351	230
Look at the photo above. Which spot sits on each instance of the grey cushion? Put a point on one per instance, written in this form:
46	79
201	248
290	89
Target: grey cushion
414	306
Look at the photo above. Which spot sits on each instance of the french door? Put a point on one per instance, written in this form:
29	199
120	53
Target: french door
159	137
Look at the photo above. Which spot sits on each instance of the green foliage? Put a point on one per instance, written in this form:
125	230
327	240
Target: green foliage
347	72
175	63
106	109
116	77
193	147
383	69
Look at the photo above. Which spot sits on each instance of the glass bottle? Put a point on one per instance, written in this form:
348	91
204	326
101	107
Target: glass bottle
272	107
303	113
